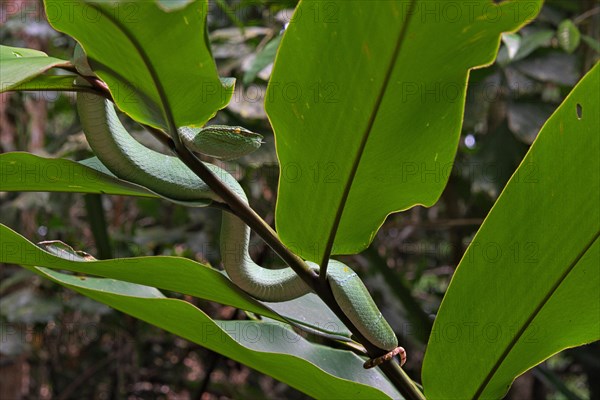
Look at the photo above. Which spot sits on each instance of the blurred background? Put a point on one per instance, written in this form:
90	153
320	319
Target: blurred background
56	344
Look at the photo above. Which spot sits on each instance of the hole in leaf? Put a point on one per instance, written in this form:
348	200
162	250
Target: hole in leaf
579	111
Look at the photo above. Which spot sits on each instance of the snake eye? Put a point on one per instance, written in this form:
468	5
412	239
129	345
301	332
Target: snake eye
237	130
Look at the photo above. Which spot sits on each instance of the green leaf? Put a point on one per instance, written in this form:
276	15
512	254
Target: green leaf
24	172
512	41
527	287
534	41
366	118
270	348
555	67
171	273
592	42
265	57
159	76
568	35
517	50
19	65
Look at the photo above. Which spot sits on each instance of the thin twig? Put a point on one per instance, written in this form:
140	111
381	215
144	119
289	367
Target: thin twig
443	223
589	13
85	376
212	365
213	362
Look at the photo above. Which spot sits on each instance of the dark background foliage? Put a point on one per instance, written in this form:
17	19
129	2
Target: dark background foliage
56	344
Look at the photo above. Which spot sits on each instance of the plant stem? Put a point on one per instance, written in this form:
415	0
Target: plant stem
243	211
401	381
391	369
98	225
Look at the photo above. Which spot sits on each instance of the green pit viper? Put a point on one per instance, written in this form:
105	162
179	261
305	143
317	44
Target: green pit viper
169	176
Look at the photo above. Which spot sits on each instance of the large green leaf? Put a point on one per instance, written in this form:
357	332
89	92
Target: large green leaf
366	100
176	274
529	283
156	61
24	172
172	273
19	65
271	348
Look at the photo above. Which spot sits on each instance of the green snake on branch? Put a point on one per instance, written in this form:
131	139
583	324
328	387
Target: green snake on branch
169	176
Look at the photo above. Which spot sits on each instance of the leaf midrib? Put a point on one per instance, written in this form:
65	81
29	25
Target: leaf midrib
162	95
365	137
533	315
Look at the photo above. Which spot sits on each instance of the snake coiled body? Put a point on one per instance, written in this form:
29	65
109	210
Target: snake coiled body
169	176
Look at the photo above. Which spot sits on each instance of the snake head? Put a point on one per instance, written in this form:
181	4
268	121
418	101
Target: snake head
221	141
